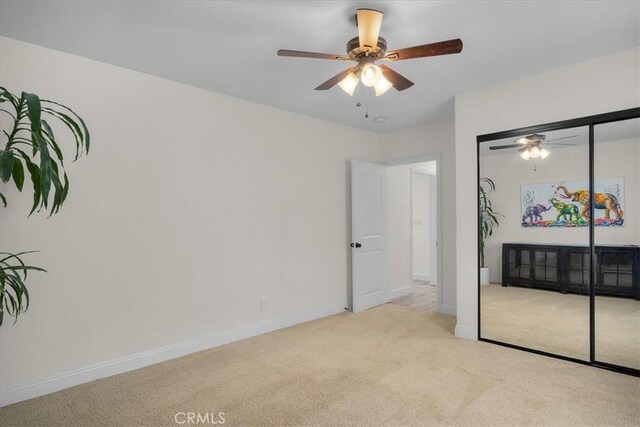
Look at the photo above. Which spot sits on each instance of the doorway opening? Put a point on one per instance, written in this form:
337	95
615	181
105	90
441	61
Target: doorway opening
412	235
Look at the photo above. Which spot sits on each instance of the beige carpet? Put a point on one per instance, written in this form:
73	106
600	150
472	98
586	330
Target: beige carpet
558	323
391	365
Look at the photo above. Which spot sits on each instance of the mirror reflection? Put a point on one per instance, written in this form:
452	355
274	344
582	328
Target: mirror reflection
534	249
617	240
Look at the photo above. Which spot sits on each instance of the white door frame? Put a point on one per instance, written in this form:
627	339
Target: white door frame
419	159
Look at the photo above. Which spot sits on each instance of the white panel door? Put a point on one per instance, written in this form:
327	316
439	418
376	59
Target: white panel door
368	235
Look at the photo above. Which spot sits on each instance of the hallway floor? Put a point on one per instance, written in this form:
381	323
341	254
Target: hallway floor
424	297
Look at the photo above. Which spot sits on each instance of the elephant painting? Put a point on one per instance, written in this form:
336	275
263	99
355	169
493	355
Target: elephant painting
567	212
534	213
567	203
605	201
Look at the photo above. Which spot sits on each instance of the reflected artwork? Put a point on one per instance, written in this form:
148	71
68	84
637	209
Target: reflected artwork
566	204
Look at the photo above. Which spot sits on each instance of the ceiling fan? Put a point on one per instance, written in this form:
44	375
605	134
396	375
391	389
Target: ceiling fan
368	48
531	146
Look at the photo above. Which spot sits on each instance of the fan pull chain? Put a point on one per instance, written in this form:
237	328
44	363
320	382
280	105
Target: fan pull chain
366	103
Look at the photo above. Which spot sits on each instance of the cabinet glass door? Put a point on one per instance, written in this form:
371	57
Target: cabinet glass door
616	213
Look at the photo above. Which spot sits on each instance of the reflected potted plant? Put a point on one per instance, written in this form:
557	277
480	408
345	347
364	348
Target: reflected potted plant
488	223
29	150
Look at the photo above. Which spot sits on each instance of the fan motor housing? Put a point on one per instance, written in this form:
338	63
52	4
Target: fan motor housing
354	51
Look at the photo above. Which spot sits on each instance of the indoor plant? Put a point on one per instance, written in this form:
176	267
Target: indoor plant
28	147
488	222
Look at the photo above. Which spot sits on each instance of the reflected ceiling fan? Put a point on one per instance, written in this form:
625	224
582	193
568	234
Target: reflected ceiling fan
368	48
531	146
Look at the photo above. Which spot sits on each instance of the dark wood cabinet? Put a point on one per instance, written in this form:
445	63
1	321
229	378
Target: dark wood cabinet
567	268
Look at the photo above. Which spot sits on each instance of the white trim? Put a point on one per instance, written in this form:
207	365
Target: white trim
428	158
466	332
401	292
423	277
151	357
449	310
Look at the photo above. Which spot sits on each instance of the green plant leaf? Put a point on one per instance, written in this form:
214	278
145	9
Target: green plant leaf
34	110
73	127
87	136
66	187
14	295
6	165
34	172
5	94
23	268
47	128
16	256
48	136
18	174
46	170
58	190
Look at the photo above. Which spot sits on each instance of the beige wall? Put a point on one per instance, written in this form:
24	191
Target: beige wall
191	208
435	138
600	85
509	172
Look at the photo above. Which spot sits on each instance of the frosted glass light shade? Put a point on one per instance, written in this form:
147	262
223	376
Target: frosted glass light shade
544	153
382	85
370	75
534	152
525	155
349	83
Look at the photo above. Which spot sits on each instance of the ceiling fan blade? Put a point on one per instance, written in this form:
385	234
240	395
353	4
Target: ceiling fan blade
446	47
564	137
335	79
316	55
398	80
502	147
369	22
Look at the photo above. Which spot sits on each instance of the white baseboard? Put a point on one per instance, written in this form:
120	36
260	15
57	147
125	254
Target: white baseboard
146	358
449	310
423	277
401	292
466	332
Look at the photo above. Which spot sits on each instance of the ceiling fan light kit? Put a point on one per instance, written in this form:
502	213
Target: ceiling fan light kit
534	153
531	146
370	74
349	83
368	48
382	85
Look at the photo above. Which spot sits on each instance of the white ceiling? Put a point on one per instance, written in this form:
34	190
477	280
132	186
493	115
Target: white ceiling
230	47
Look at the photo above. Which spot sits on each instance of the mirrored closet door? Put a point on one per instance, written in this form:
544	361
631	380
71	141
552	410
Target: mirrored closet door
617	242
534	290
559	239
